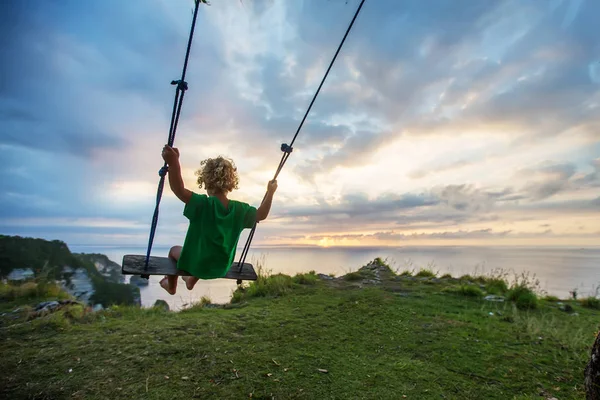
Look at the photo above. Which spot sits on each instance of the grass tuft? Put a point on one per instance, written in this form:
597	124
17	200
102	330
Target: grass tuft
496	286
591	302
552	299
265	286
353	276
309	278
31	290
524	297
470	291
464	290
426	273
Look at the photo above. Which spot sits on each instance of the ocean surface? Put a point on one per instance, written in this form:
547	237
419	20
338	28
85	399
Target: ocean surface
559	270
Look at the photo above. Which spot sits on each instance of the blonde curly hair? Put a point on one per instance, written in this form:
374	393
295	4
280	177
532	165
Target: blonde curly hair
218	174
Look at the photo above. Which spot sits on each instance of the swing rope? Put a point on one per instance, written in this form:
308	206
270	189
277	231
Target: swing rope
287	149
180	88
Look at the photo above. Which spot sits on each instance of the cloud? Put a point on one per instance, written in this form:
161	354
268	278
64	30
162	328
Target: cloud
529	82
465	198
591	179
392	236
548	180
435	117
421	173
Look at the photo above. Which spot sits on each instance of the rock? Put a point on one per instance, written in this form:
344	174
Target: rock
20	274
138	281
161	304
47	306
325	277
566	308
493	297
372	282
592	372
376	271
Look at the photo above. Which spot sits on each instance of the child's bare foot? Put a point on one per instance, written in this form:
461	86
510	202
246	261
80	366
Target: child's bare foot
190	281
164	283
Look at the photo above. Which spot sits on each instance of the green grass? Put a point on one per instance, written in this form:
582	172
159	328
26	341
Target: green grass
31	290
464	290
524	297
470	290
353	276
285	339
426	273
481	280
552	299
496	286
591	302
309	278
272	286
28	293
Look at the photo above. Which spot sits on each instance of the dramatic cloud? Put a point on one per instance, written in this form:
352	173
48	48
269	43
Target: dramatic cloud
475	121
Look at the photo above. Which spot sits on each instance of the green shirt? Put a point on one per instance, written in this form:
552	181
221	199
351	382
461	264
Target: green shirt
213	234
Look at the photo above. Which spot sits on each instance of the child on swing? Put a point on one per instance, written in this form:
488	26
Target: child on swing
216	222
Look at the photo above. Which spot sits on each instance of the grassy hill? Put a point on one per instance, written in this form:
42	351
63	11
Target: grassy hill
53	261
371	334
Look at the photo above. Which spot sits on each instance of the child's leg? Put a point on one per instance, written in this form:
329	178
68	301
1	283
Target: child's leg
190	281
169	282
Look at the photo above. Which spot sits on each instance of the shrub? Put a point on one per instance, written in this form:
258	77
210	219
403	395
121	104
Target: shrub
237	296
464	290
591	302
470	291
426	273
30	290
274	285
380	262
446	276
309	278
496	286
551	298
524	298
197	305
353	276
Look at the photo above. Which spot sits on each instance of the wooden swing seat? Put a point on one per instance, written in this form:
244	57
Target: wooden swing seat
136	265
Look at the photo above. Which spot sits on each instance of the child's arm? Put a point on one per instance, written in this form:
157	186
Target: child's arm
265	207
171	157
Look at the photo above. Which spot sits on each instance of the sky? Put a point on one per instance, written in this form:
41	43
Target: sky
444	122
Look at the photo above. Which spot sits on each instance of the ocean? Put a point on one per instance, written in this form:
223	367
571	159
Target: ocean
559	270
